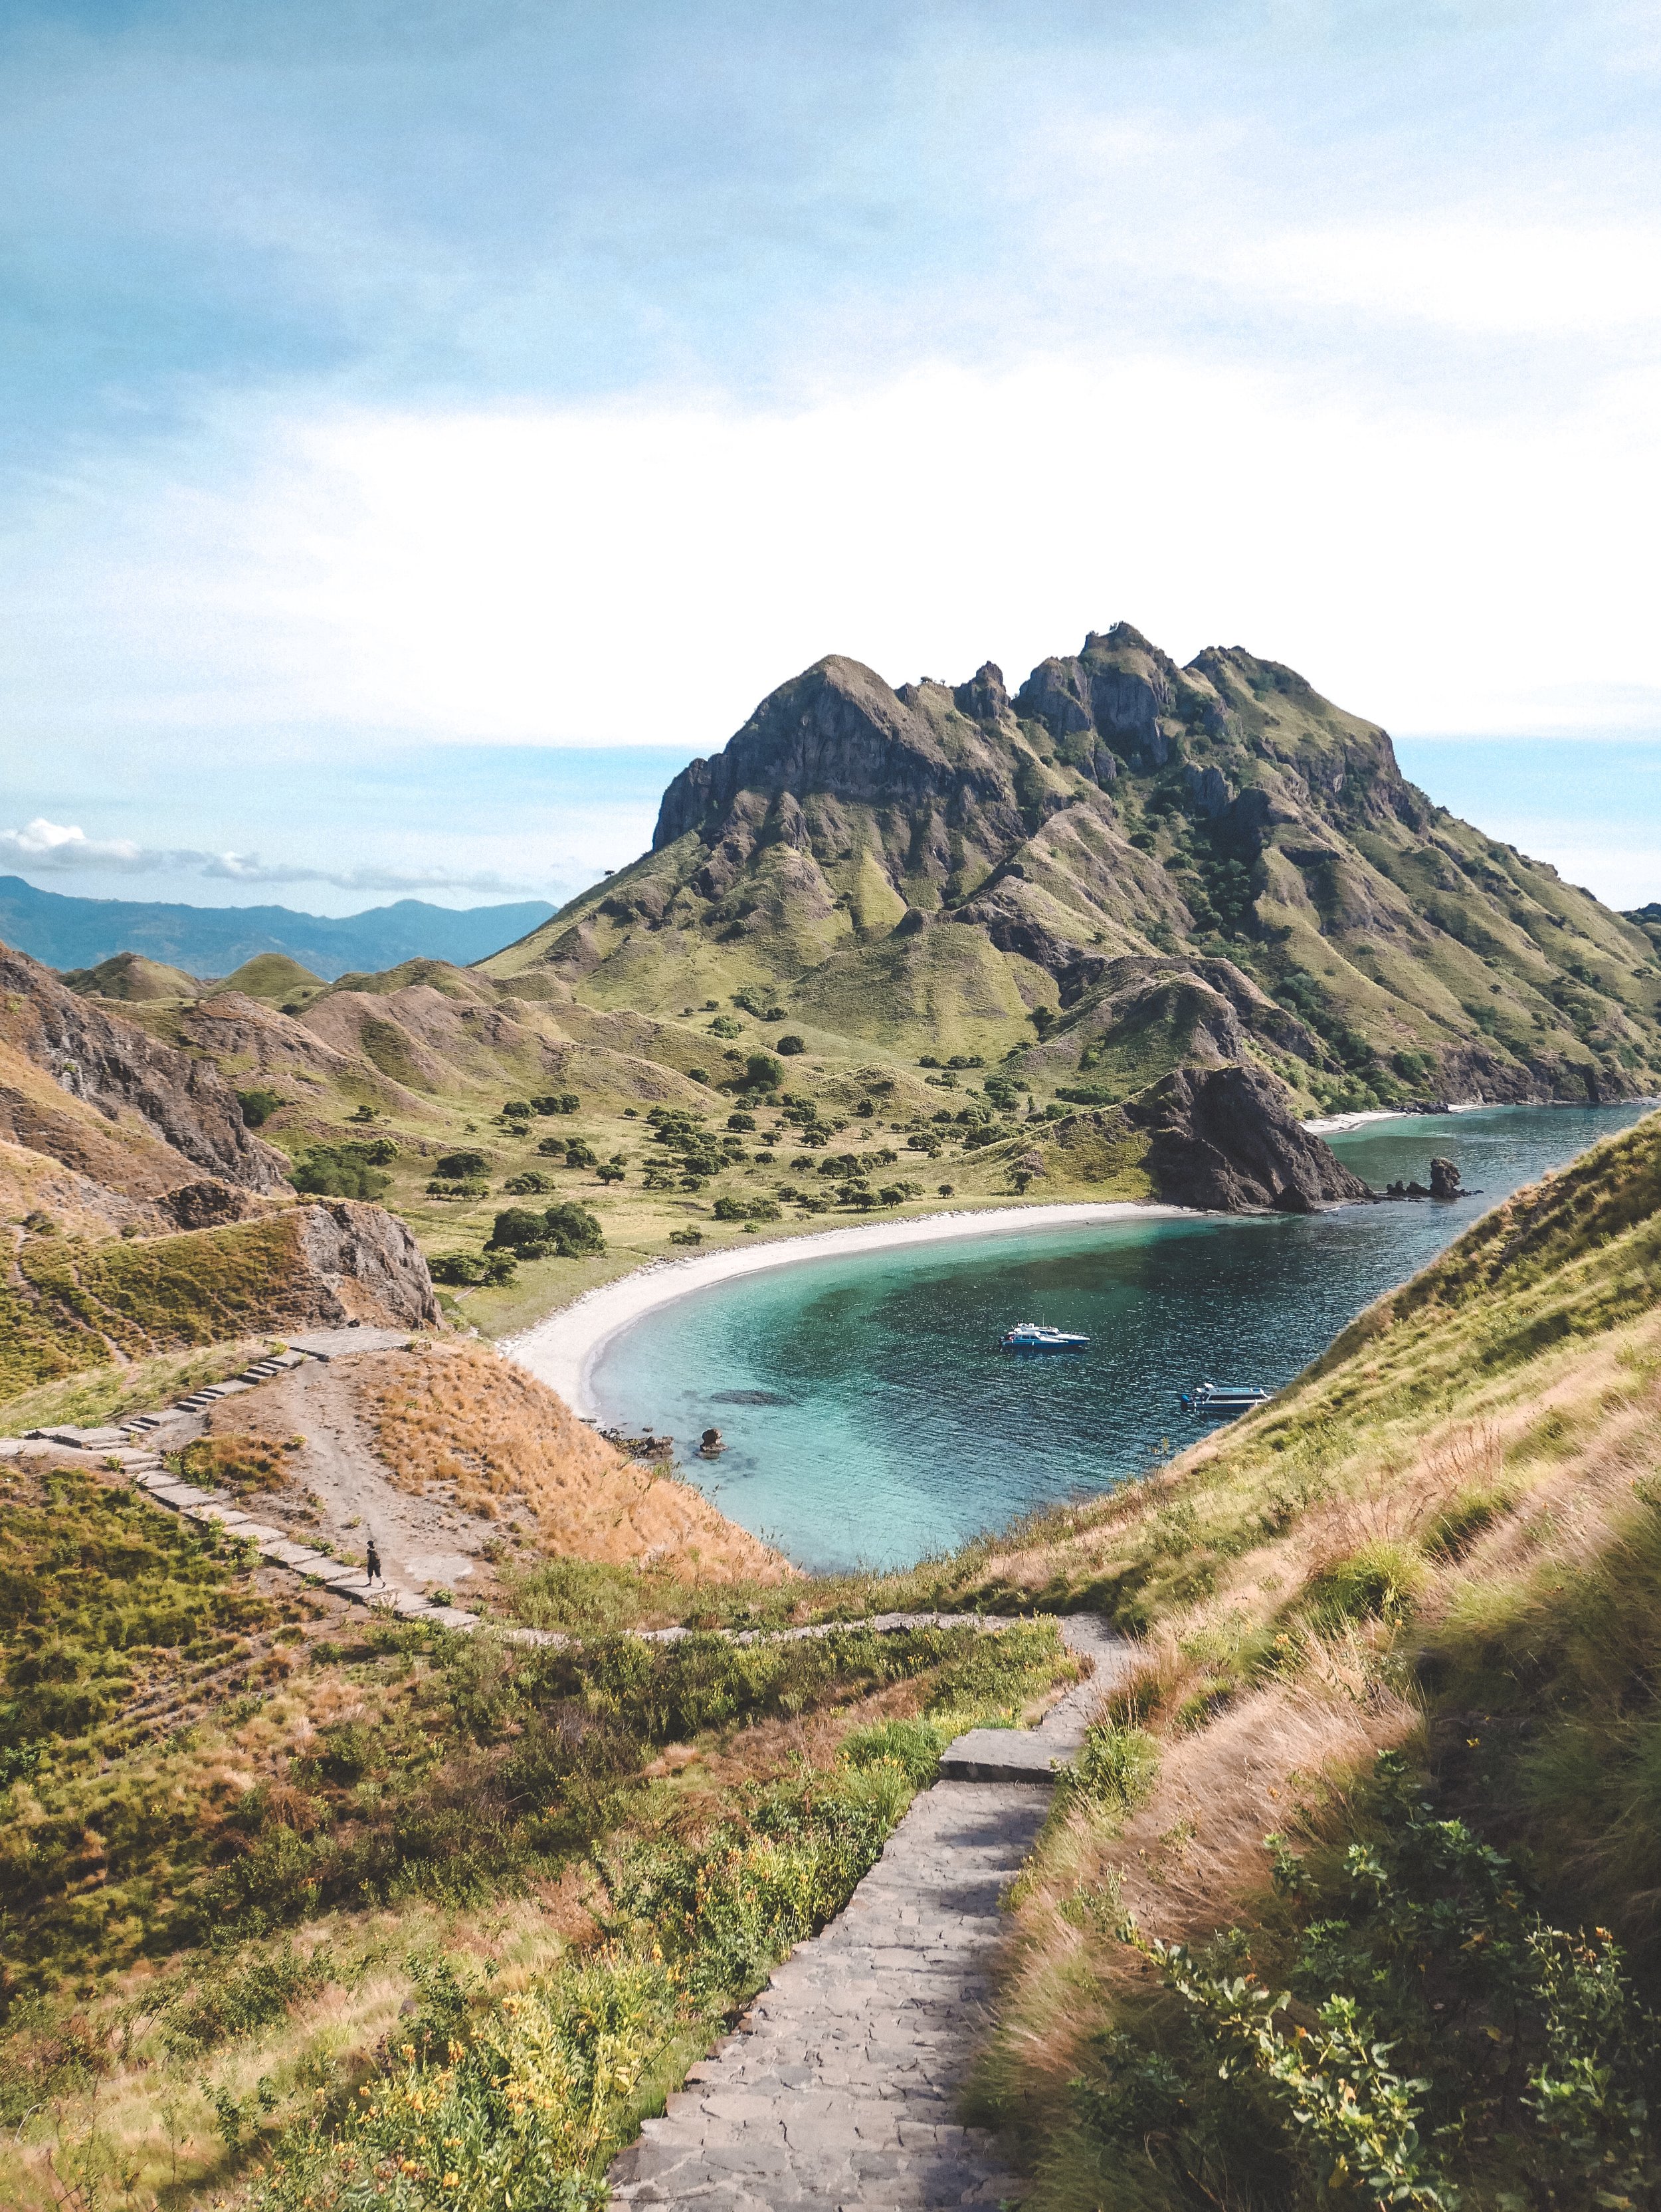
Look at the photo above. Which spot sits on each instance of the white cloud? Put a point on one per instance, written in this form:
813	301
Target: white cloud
53	847
1470	273
632	574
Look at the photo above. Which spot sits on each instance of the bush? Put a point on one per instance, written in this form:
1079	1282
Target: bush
741	1121
686	1236
610	1172
746	1209
700	1074
468	1270
571	1230
558	1101
724	1026
529	1184
789	1044
762	1072
1419	2000
258	1106
465	1166
580	1155
341	1171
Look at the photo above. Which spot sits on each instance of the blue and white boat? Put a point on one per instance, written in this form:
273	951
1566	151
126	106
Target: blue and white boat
1219	1397
1034	1336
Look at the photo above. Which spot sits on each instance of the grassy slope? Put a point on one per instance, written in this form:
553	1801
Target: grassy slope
245	1835
434	1053
71	1303
1447	1538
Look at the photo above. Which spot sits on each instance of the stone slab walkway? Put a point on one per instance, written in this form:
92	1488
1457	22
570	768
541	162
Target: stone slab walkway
840	2091
841	2088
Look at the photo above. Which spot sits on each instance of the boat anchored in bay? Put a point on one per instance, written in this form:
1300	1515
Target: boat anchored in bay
1036	1336
1223	1398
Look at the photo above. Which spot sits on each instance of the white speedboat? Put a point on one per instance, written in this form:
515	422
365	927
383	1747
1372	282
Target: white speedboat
1034	1336
1224	1398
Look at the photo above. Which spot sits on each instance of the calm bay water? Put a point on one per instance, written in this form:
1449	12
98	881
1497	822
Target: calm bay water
870	1420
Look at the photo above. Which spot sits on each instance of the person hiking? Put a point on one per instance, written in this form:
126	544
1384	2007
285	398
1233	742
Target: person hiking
372	1564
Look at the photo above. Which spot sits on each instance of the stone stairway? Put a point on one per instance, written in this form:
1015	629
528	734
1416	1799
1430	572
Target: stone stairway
840	2090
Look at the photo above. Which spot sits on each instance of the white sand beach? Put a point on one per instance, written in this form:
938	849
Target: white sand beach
1324	1125
561	1351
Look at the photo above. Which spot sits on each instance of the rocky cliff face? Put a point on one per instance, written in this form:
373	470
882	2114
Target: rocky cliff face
128	1080
1228	1140
1149	865
356	1263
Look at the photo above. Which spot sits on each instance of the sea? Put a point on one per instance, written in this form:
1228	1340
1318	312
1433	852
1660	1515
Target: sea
870	1420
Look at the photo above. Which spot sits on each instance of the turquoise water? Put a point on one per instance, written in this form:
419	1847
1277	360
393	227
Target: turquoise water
870	1420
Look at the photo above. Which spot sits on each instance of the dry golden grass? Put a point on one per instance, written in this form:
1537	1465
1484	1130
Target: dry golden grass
464	1418
1487	1479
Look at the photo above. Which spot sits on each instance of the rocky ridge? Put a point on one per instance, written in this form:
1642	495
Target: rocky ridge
1152	866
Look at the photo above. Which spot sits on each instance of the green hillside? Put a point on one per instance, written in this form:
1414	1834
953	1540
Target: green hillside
1391	1750
1126	867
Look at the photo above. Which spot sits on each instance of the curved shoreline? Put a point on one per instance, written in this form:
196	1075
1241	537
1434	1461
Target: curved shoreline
561	1351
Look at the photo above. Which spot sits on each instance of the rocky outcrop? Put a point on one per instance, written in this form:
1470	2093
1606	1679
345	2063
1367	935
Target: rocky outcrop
125	1076
356	1263
1228	1140
837	731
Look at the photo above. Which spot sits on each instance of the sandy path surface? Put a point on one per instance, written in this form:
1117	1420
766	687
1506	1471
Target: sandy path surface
562	1350
339	1490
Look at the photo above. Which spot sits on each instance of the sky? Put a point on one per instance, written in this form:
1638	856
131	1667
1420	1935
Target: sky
422	429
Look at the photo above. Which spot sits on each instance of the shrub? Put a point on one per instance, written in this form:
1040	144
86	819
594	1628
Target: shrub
724	1026
468	1270
610	1172
791	1045
701	1074
580	1155
762	1072
558	1101
517	1109
746	1209
258	1106
464	1166
1420	1999
686	1236
529	1184
340	1171
741	1121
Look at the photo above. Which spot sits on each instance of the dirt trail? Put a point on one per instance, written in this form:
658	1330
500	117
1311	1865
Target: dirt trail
339	1490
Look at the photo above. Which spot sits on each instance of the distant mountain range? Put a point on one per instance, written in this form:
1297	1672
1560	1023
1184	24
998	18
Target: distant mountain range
79	932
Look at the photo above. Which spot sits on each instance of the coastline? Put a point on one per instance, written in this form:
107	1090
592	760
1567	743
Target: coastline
561	1350
1327	1125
